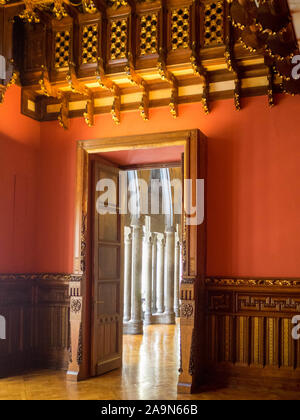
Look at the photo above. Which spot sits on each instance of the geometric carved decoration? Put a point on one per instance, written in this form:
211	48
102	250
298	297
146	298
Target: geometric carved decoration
62	49
268	304
187	310
119	39
214	26
76	305
221	302
180	28
251	328
90	43
149	43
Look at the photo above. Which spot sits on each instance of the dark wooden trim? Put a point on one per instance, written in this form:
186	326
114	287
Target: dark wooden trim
151	166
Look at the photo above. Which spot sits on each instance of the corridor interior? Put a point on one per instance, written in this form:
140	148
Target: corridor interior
152	248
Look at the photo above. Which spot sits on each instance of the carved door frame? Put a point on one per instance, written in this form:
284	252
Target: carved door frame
194	256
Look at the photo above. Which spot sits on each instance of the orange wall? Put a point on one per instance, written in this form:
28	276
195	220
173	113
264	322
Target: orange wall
19	143
253	184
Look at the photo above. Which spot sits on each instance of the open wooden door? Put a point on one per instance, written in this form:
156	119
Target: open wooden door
107	269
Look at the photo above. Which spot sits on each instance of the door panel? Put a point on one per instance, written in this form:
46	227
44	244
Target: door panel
107	308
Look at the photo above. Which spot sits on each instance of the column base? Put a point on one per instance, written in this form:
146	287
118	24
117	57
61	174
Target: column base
148	319
177	313
133	328
164	319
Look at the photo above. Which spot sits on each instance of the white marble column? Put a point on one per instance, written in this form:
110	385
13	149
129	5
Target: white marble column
176	274
147	262
154	273
135	326
127	272
160	272
169	313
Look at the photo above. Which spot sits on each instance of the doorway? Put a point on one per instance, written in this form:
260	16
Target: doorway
84	327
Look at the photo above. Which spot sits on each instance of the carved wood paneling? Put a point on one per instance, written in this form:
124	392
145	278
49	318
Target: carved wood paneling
36	309
249	326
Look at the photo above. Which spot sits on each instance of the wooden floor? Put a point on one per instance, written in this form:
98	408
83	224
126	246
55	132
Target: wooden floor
149	372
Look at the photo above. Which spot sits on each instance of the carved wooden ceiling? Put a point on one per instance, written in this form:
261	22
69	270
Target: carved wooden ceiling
83	57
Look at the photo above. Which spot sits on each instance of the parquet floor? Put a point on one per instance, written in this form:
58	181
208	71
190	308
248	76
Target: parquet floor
149	372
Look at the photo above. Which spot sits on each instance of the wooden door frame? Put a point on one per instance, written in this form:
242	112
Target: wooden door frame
194	256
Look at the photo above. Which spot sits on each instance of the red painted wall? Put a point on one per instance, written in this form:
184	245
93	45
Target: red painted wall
19	146
253	184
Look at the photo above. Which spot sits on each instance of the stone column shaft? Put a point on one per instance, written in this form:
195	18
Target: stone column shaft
154	273
160	272
136	323
127	273
169	277
176	275
147	261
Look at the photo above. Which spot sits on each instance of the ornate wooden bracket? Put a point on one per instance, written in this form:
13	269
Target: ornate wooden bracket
74	84
200	71
54	92
89	114
77	87
137	80
167	76
3	88
231	62
237	81
63	117
271	99
45	84
105	83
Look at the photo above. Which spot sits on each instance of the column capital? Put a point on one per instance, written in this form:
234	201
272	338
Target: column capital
160	239
177	239
148	237
170	230
127	234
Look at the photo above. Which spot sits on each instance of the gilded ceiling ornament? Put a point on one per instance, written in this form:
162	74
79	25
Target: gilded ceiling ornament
89	6
116	4
29	15
58	10
3	88
55	7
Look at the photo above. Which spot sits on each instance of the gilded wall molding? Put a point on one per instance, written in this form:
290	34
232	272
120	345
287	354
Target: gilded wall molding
248	282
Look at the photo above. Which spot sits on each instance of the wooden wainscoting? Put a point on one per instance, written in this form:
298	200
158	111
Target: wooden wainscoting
16	307
249	331
36	308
